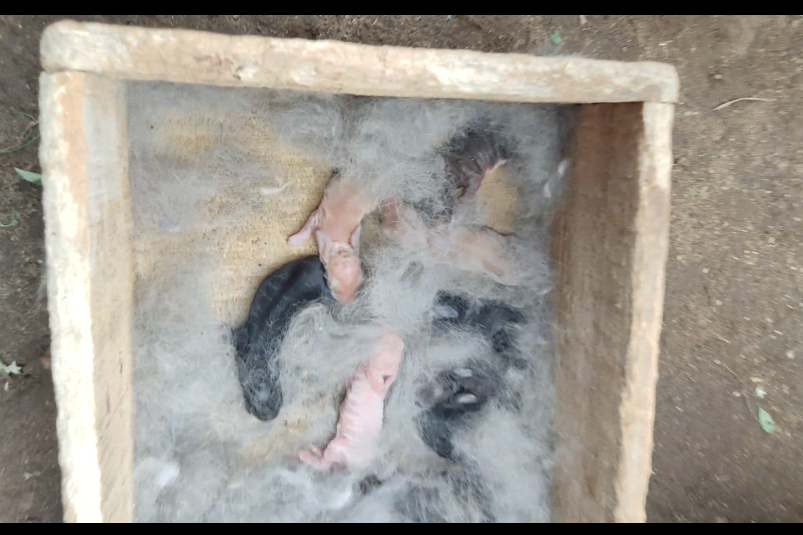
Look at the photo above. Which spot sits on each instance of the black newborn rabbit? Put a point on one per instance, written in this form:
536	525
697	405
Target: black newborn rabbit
457	393
284	292
468	157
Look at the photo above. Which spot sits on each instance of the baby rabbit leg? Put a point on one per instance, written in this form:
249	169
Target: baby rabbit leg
306	231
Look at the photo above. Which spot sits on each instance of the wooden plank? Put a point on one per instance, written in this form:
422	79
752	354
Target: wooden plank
609	247
336	67
637	409
90	289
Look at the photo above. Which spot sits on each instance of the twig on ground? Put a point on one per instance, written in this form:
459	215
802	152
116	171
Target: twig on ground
719	337
732	372
734	101
21	142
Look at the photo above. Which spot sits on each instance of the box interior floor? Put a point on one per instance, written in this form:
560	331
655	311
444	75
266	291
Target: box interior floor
220	177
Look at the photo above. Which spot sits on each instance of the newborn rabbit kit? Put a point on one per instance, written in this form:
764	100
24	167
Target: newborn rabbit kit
341	289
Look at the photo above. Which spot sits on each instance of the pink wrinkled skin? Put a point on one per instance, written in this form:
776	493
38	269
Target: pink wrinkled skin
336	225
362	411
476	249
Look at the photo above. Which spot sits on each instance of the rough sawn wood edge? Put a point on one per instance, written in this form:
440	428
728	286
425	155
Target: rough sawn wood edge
609	248
249	61
90	280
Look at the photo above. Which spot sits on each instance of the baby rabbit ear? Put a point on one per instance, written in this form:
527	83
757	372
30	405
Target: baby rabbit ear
354	241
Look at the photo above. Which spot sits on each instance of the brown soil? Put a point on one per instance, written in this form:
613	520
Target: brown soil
734	300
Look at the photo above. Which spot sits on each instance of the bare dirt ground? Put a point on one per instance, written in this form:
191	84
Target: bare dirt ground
734	300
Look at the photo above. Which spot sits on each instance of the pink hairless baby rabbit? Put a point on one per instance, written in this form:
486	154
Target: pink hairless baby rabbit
336	225
362	411
477	249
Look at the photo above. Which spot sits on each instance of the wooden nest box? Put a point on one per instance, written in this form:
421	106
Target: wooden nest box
609	240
